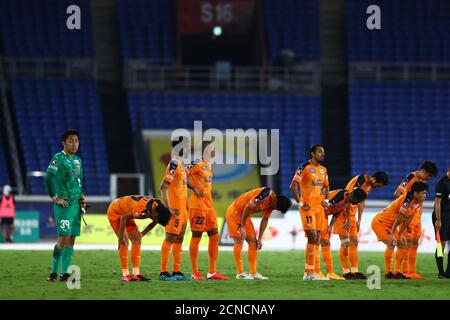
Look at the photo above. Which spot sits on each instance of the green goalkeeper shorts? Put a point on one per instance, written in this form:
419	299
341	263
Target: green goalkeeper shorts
68	220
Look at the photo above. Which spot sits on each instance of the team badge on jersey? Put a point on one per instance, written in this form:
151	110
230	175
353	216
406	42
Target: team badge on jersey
312	170
205	168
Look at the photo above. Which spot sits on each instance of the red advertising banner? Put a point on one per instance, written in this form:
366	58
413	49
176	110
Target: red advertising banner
200	16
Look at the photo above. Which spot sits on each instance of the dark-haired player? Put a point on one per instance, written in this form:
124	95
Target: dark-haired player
339	204
174	195
349	238
240	225
426	171
63	181
312	180
202	216
121	215
385	225
441	220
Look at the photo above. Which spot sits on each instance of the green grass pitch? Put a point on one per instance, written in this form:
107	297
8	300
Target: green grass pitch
23	276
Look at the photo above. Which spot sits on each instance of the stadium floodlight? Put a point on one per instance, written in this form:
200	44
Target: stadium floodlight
217	31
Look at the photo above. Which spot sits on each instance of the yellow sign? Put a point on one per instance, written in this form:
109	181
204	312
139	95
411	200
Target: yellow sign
99	231
229	180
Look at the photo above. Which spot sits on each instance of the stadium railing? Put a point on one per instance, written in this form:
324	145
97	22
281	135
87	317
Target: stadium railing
407	71
42	67
142	75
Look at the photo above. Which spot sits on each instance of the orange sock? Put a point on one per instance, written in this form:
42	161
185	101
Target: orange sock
123	255
400	255
309	258
177	256
317	259
165	255
213	251
327	258
252	255
237	255
344	260
353	255
136	258
193	252
388	259
412	259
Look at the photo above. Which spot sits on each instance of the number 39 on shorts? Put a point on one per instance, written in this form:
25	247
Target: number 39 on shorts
64	224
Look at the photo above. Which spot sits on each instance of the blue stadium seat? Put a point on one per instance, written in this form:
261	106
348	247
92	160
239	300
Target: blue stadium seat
42	120
222	111
39	29
397	135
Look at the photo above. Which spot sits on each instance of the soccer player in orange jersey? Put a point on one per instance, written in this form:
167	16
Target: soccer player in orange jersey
385	225
240	226
202	216
349	237
174	195
312	178
426	171
340	202
121	214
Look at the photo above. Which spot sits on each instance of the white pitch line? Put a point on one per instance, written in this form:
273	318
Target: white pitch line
43	246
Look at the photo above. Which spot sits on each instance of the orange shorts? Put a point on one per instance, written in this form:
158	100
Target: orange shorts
313	219
338	227
176	223
114	220
202	220
382	229
233	219
413	231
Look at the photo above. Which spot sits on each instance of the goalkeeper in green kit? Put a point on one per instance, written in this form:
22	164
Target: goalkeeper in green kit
63	180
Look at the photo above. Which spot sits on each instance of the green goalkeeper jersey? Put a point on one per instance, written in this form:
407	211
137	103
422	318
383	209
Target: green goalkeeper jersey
68	172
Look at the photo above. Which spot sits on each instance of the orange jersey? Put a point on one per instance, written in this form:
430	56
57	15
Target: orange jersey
406	184
200	177
176	177
312	179
260	199
136	205
404	187
338	201
361	181
404	205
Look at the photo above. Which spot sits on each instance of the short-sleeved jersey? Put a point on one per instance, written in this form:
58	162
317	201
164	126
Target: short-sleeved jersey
137	205
176	174
312	179
200	177
260	199
406	184
338	200
69	173
405	205
361	181
443	191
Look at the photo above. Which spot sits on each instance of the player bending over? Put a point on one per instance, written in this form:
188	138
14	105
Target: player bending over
121	215
385	224
340	202
240	225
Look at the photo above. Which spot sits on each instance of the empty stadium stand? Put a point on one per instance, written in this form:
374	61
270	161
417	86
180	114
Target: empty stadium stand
44	109
297	116
396	126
